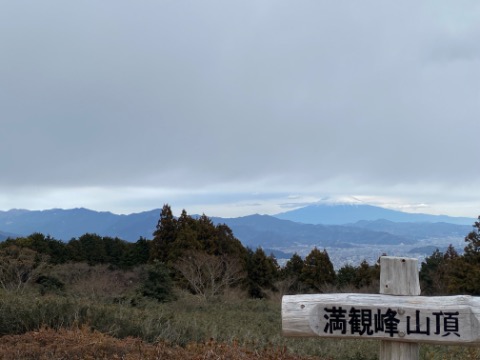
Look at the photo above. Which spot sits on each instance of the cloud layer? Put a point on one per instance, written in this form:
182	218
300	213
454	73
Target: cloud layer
173	99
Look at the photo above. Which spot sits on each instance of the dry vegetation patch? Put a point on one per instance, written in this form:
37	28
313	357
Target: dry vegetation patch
83	343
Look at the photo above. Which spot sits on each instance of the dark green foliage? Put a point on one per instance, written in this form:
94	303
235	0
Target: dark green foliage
55	249
225	243
472	250
346	276
135	254
158	283
115	250
318	270
262	271
292	273
464	274
293	267
49	284
461	277
175	237
141	250
451	273
433	274
94	249
366	275
164	237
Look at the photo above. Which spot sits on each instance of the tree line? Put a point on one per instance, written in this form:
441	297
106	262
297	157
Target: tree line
449	273
206	259
192	253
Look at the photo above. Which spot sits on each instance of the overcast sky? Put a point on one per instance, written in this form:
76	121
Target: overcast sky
231	108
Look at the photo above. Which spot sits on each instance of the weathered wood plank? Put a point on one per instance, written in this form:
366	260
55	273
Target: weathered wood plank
394	350
441	320
399	276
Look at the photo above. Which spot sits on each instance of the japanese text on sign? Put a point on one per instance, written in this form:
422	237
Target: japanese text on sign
361	321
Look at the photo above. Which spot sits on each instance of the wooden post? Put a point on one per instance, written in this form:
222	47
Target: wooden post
399	276
398	316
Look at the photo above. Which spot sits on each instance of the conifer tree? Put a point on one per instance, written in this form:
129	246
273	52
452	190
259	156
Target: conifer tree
93	249
225	243
186	237
262	271
465	272
158	283
472	250
293	267
346	276
291	273
318	270
366	275
164	236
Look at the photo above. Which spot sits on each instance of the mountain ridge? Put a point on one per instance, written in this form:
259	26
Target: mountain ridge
252	230
339	214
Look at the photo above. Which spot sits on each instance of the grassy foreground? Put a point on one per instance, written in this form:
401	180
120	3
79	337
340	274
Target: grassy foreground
188	324
61	327
100	314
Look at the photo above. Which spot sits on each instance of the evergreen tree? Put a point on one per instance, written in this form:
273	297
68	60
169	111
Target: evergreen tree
186	237
115	249
465	270
136	253
94	250
262	271
346	276
472	250
292	272
158	283
55	249
318	270
164	236
75	251
225	243
449	273
141	251
293	267
366	275
206	235
431	274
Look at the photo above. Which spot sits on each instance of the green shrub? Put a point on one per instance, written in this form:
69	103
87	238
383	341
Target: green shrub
158	283
49	284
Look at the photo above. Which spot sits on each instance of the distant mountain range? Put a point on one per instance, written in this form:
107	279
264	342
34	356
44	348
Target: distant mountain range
4	235
338	214
268	231
416	231
340	226
66	224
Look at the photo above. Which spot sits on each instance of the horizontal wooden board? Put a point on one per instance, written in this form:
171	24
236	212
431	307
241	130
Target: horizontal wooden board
445	319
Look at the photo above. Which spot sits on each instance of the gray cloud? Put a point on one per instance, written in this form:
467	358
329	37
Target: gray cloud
239	95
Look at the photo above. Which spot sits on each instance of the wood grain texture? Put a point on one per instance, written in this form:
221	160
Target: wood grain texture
399	276
304	315
398	316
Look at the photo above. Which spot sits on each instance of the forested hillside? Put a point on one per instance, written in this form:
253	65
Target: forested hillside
195	254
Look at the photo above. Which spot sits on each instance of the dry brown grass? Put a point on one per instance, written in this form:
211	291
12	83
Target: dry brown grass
83	343
97	281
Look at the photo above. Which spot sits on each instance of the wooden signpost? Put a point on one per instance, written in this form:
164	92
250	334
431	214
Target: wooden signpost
398	316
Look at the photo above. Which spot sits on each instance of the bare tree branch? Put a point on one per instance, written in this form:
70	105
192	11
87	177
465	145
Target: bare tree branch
209	275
